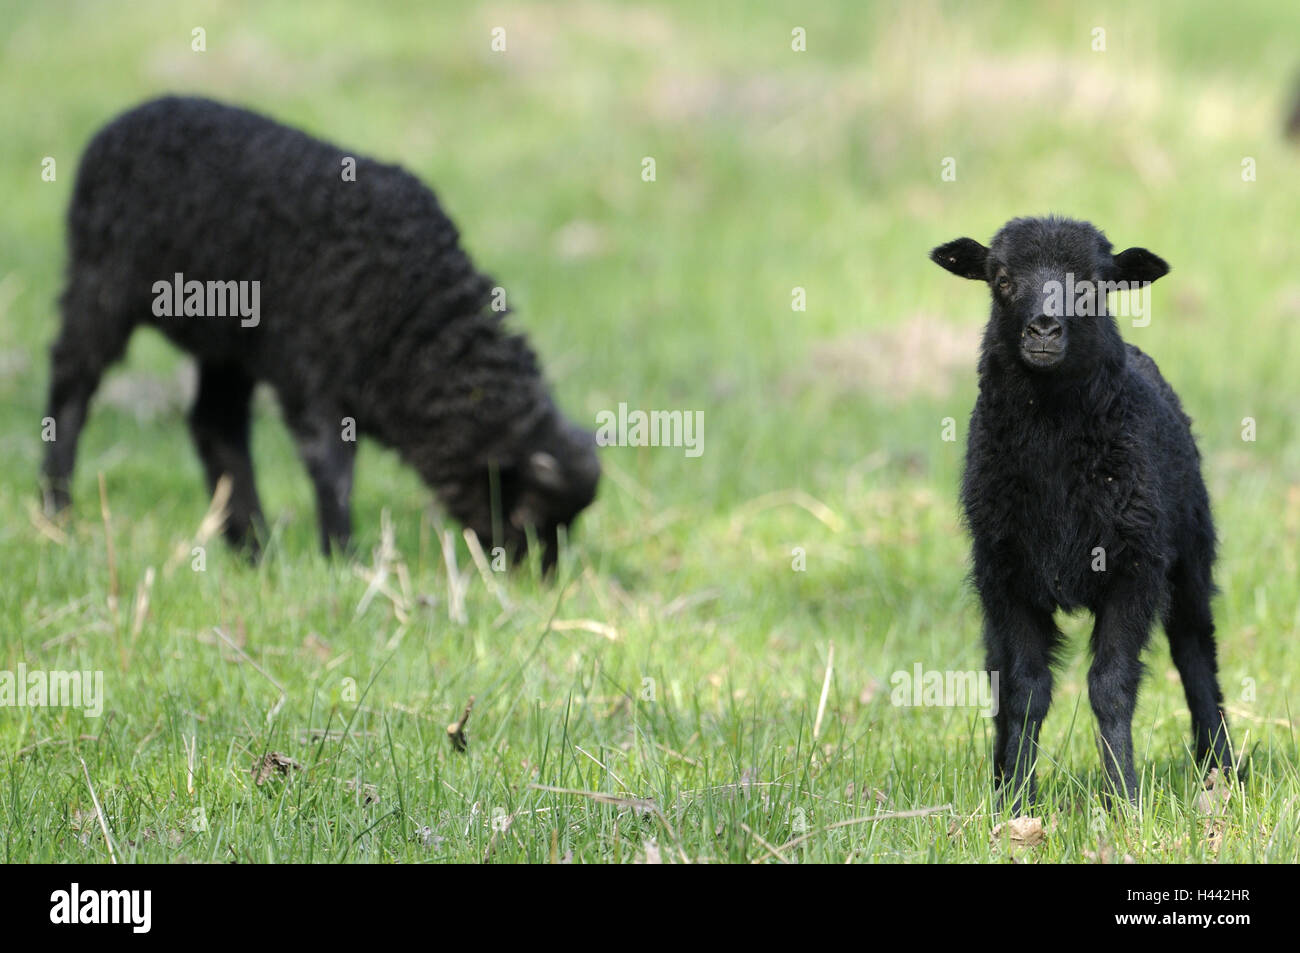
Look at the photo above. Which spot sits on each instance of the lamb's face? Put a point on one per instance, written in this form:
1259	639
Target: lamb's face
547	482
1049	280
1048	303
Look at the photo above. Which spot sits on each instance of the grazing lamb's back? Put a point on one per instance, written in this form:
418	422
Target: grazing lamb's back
1082	490
366	311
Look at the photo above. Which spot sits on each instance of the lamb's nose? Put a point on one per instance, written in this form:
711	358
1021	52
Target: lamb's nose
1045	328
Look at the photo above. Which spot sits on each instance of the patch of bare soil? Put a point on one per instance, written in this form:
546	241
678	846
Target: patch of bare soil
924	356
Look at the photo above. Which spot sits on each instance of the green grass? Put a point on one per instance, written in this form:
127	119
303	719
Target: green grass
692	712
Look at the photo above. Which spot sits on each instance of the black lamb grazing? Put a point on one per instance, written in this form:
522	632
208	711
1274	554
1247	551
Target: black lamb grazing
1082	490
359	309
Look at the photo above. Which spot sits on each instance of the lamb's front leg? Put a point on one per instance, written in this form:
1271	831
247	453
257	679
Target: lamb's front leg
1019	640
1122	628
328	448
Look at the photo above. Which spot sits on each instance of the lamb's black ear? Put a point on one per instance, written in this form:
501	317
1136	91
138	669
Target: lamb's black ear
1136	265
962	256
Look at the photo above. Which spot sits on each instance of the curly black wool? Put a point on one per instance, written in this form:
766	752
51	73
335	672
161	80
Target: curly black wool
371	320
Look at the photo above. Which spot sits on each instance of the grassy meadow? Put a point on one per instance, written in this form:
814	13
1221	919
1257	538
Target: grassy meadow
666	698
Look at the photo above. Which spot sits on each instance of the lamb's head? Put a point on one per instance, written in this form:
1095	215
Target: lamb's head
1049	278
535	483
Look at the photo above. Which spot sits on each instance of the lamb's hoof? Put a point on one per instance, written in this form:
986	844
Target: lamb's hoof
1115	800
55	501
1018	806
1225	766
246	544
1216	774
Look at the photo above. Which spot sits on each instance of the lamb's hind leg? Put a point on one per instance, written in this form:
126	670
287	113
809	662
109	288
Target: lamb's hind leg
219	423
1189	625
93	337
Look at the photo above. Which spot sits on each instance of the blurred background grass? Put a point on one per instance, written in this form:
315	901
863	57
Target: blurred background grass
775	170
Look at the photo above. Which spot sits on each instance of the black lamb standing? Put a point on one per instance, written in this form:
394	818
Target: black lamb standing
366	318
1082	490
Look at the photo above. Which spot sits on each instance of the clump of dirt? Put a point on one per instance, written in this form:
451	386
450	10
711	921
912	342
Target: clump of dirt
271	765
